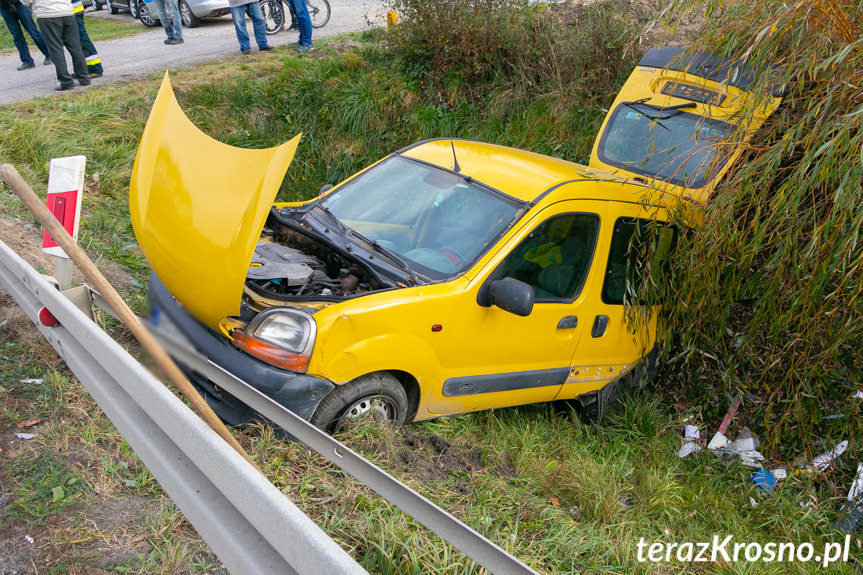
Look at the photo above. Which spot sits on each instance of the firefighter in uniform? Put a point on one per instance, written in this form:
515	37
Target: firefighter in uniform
94	64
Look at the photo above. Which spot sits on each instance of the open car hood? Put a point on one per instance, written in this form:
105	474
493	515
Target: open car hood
198	206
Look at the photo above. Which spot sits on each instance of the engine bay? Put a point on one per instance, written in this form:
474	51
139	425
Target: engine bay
289	264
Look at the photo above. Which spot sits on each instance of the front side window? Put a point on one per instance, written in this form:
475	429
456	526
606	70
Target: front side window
438	221
677	147
639	250
555	258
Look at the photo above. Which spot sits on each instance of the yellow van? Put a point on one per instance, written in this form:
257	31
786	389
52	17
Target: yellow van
449	277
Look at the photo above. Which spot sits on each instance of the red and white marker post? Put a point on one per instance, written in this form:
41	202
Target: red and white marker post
65	191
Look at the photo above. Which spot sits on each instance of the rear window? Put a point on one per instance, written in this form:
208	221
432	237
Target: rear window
674	146
639	252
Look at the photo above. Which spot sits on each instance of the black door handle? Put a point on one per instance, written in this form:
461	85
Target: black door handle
599	325
567	322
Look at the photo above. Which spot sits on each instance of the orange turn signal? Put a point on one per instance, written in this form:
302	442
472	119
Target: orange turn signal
270	353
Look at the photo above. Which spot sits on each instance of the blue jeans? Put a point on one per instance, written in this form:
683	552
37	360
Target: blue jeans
23	18
169	14
303	21
238	15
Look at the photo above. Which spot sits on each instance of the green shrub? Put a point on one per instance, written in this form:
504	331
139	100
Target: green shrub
455	46
771	286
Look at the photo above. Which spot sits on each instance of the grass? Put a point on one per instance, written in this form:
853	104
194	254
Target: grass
562	496
98	28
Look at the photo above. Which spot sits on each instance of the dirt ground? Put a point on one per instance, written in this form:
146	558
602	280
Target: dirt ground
116	519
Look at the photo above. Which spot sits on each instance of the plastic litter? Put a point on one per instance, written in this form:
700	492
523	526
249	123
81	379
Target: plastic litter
33	381
851	512
859	394
687	448
765	480
746	447
691	436
823	461
720	440
25	435
779	473
856	490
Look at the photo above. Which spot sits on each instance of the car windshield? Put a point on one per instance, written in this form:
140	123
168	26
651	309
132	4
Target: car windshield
437	221
680	148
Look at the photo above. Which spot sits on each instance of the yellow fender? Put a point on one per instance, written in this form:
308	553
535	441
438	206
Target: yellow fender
190	190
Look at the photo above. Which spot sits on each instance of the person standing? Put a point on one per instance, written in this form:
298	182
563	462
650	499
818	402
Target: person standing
169	14
17	16
94	63
239	9
304	22
59	28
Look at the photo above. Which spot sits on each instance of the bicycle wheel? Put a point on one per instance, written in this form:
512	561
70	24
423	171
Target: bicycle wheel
274	15
319	12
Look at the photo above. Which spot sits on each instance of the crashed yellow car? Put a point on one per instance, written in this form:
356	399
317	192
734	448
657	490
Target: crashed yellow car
449	277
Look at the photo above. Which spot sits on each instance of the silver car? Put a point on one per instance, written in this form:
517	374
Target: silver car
191	11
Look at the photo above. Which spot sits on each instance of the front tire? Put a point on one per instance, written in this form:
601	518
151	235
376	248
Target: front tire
188	18
135	8
110	7
379	395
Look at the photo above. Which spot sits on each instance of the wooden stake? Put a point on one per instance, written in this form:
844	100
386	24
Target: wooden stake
14	180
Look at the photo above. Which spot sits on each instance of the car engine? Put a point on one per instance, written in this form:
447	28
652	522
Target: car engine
289	264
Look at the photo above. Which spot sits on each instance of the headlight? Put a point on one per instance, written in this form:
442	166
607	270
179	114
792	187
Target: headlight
283	338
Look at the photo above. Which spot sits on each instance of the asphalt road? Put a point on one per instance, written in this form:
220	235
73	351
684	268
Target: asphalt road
145	53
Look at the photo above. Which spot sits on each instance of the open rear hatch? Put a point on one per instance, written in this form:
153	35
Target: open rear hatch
680	120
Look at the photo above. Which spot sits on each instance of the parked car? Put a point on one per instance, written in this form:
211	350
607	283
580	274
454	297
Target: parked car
191	11
448	277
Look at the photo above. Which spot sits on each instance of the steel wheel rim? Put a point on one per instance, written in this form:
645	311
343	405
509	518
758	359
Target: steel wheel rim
381	407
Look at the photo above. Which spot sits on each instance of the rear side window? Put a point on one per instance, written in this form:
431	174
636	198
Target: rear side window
555	258
639	252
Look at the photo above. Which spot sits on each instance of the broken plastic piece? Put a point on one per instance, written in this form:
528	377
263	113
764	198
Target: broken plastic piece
732	411
780	473
823	461
746	441
687	448
765	480
859	394
718	442
25	435
691	432
856	490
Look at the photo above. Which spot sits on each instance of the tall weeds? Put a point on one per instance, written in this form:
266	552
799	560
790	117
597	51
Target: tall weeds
771	287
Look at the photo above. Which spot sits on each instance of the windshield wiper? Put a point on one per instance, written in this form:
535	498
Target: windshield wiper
643	102
389	253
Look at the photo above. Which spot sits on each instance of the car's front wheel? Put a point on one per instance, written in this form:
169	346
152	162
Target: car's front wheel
378	395
135	8
146	17
187	16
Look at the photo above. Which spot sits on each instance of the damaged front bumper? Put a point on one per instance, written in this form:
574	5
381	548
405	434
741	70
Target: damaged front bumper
197	350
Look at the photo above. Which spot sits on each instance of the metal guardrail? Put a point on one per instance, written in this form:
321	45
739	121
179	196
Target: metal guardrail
248	523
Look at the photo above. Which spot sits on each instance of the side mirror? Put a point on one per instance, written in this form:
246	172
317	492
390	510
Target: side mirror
511	295
325	188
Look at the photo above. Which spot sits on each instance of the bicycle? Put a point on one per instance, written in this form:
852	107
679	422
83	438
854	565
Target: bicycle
274	13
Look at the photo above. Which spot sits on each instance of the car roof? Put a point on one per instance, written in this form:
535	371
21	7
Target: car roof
523	175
